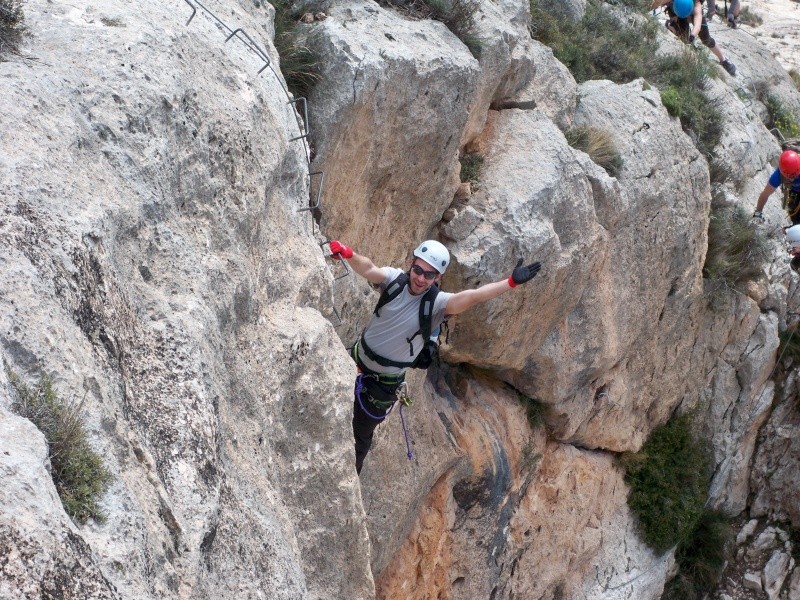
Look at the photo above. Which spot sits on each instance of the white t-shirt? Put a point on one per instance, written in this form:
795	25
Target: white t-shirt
387	335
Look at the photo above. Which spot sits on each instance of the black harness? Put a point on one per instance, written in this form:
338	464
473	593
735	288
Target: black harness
392	291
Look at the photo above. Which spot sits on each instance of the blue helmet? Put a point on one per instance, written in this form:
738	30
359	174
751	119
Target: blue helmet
682	8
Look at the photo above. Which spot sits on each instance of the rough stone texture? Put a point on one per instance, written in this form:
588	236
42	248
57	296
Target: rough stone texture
148	223
493	510
388	116
574	218
154	264
794	585
41	552
775	572
776	469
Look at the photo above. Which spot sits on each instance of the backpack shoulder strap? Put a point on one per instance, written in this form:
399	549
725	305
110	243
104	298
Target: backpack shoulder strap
426	312
391	292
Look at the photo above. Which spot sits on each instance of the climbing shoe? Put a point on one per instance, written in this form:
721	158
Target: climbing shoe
729	67
732	21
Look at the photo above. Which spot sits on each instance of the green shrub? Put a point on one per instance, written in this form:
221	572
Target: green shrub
77	470
736	249
748	17
457	15
701	558
683	80
600	46
471	168
603	46
795	78
668	478
598	144
780	116
299	64
12	26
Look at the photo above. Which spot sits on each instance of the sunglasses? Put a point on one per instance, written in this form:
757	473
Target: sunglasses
429	275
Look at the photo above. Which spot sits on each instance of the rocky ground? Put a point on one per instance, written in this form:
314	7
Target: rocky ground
779	32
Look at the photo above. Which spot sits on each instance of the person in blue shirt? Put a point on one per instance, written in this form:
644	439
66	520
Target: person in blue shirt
787	176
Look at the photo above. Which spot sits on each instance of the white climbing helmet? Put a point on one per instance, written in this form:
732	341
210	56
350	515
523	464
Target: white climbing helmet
433	253
793	236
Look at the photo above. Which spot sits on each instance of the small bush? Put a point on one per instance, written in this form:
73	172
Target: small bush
668	478
12	26
605	46
795	78
748	17
600	46
77	470
471	168
457	15
683	80
701	558
598	144
780	116
736	249
299	64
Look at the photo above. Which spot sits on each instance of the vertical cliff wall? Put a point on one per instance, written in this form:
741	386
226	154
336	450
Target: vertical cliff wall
158	266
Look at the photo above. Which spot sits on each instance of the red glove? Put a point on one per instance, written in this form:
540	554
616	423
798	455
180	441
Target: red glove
340	251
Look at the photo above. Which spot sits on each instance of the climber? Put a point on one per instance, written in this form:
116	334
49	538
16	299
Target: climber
793	245
410	305
787	175
731	14
679	12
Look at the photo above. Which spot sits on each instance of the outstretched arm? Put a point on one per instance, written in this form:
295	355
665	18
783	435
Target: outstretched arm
360	264
461	301
762	197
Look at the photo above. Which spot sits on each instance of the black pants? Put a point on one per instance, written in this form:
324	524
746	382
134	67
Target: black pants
363	424
793	207
683	27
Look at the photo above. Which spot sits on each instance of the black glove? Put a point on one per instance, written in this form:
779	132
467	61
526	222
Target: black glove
691	38
523	274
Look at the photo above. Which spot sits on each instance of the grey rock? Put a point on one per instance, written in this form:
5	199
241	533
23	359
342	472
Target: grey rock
752	581
746	531
775	572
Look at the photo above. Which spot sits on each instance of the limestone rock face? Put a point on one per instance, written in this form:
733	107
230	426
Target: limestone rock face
387	119
159	265
487	492
155	265
562	338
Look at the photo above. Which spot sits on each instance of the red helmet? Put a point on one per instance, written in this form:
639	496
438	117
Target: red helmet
789	164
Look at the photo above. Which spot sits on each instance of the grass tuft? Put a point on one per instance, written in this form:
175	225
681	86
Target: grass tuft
736	250
598	144
790	344
12	26
668	478
748	17
299	64
471	168
78	471
780	116
605	45
701	558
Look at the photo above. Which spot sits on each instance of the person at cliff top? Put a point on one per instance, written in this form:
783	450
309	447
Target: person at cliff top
733	11
680	12
393	340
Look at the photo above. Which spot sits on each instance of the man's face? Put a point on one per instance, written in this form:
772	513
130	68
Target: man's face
422	276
